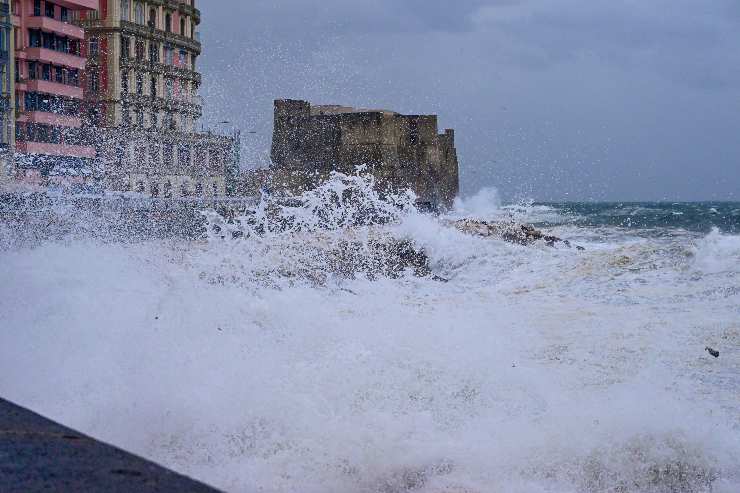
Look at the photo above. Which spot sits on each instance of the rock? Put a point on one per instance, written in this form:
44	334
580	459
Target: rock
395	256
520	234
713	352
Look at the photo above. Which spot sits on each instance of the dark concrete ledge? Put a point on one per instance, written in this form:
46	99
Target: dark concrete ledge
37	454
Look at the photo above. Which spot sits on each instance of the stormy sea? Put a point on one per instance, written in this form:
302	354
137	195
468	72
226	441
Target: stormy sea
281	351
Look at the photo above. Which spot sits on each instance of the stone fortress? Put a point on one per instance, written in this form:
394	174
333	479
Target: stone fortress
401	151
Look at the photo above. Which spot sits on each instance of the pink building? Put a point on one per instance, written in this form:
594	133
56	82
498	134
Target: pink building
49	52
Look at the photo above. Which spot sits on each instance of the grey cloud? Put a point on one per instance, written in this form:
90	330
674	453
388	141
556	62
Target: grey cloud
552	98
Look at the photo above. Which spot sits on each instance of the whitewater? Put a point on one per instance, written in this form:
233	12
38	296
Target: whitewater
267	361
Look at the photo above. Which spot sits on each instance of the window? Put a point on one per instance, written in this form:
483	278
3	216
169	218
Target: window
34	37
125	116
169	55
182	26
153	87
125	10
140	154
64	14
58	75
184	191
125	47
169	85
37	8
139	84
140	187
139	49
46	72
215	189
153	52
73	77
62	45
49	10
139	13
32	71
93	47
124	83
48	40
183	154
168	22
152	18
183	58
168	190
94	82
168	154
199	189
154	154
154	119
155	190
140	117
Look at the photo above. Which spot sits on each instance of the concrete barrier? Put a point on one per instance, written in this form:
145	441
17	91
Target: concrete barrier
37	454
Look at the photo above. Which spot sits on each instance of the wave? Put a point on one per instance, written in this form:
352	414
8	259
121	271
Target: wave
718	253
251	357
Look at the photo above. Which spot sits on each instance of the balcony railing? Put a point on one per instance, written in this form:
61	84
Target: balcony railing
55	57
161	36
161	68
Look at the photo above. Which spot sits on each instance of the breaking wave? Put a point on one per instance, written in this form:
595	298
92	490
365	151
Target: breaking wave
278	349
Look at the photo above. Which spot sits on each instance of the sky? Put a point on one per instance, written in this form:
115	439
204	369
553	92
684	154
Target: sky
551	100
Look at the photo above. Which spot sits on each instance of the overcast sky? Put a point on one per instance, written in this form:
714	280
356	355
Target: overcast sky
551	99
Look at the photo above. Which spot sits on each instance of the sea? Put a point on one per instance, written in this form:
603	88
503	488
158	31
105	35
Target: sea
277	359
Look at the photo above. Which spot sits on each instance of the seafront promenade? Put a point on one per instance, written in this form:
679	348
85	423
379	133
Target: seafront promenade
37	454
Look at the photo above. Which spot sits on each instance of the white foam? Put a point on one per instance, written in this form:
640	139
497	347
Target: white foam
532	369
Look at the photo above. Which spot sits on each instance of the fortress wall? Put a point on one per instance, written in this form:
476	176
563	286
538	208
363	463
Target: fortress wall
402	151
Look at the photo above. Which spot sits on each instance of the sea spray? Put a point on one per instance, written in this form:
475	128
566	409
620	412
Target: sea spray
533	369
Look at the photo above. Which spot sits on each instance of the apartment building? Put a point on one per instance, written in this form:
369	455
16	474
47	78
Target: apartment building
142	100
7	92
49	61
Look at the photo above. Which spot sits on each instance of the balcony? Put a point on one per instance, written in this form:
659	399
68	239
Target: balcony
28	147
54	26
79	4
55	57
50	119
161	36
49	87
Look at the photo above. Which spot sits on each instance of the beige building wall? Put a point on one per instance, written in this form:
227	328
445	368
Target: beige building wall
138	119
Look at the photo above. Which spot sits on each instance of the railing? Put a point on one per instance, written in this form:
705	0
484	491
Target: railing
161	68
160	35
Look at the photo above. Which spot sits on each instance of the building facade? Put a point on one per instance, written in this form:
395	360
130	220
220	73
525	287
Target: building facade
7	93
401	151
142	100
49	61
